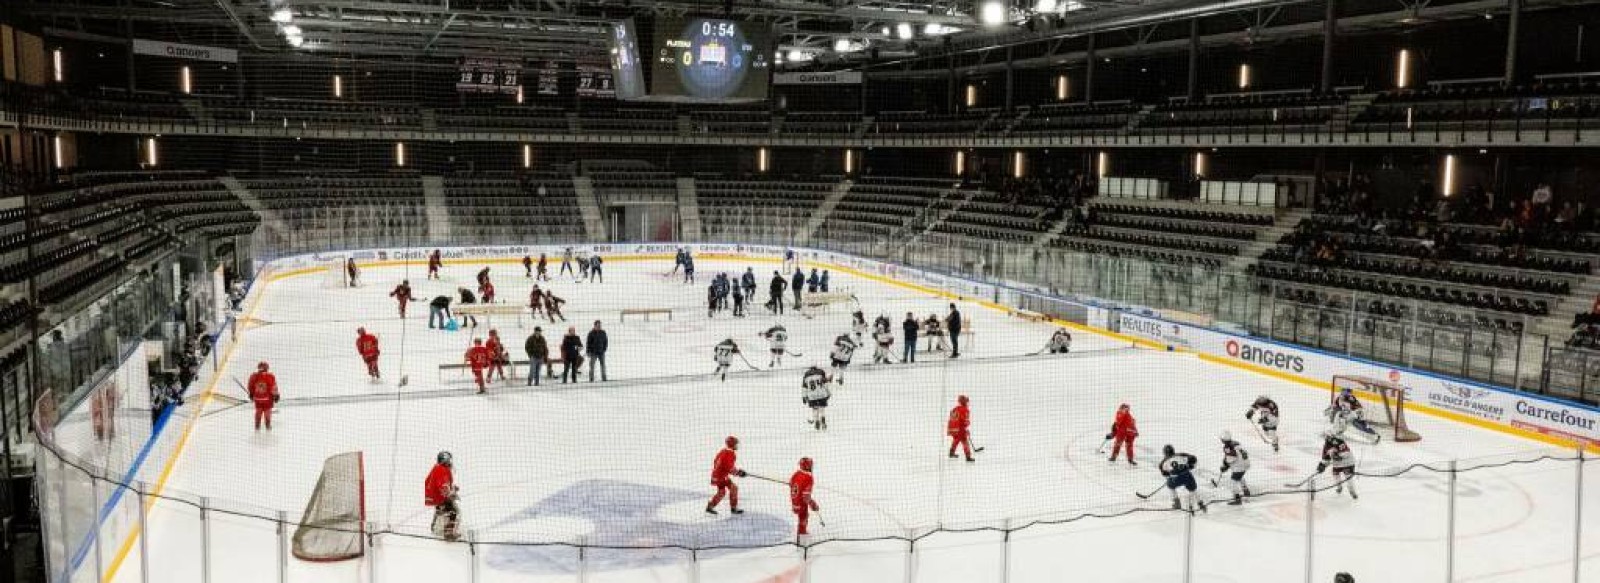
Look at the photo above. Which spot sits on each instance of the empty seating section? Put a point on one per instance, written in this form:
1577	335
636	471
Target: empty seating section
1490	104
627	121
508	117
342	211
759	209
732	122
1247	110
532	208
924	123
1076	118
838	122
311	114
881	207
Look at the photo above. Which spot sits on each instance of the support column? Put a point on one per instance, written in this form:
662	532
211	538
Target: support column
1194	59
1088	73
1011	79
950	84
1330	32
1513	35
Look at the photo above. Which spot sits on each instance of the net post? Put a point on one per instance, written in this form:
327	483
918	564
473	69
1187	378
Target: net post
144	534
205	540
472	556
1188	546
583	565
1311	530
1005	550
283	547
370	557
911	555
1577	514
1450	527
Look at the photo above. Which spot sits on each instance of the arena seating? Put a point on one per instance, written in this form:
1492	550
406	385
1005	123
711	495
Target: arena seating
486	208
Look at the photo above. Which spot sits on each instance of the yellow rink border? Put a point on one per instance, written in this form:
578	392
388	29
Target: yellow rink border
177	453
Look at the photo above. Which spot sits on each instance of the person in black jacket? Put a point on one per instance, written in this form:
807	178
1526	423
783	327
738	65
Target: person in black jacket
439	309
910	327
538	355
571	356
467	299
796	285
597	343
953	322
775	293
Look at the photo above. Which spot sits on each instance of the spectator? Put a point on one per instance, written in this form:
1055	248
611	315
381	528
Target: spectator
953	322
538	355
910	328
597	344
824	281
799	282
467	299
571	356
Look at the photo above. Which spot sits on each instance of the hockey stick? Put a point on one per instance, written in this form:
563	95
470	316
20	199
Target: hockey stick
795	354
1102	449
1259	433
1144	496
1303	482
247	394
747	362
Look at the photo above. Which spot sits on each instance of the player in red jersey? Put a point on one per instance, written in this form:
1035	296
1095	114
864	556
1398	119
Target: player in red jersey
264	393
402	294
439	492
800	495
478	358
487	291
435	261
723	469
497	355
1123	430
367	346
960	420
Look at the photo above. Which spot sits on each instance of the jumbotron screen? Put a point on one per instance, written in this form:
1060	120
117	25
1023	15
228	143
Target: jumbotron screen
711	59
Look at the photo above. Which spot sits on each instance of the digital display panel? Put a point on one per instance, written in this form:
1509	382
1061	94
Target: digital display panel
711	59
626	73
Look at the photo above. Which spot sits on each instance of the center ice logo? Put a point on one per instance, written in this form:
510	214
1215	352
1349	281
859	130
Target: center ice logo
626	514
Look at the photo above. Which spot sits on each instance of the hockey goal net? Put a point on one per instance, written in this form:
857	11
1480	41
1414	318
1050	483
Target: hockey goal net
334	524
1374	391
333	273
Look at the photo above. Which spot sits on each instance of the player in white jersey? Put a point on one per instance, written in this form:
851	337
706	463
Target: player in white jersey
1060	342
1346	412
723	353
1264	412
883	340
858	324
1235	462
777	339
843	349
1178	468
1336	455
814	393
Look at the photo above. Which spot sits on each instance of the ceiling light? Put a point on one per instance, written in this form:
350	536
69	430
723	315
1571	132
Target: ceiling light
932	29
1044	6
843	45
1072	6
903	30
797	56
886	31
993	13
291	30
296	41
282	16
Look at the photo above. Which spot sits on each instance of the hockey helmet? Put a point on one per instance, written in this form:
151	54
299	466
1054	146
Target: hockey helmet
361	331
477	341
1167	450
962	399
1226	436
805	464
1122	407
732	442
444	458
1343	578
262	366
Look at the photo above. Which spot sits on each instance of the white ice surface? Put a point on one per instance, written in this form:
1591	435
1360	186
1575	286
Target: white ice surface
626	463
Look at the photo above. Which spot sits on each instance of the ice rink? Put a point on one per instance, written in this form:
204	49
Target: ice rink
625	463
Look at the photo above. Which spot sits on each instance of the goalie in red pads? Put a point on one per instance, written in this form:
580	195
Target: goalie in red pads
723	470
367	346
440	493
264	393
800	500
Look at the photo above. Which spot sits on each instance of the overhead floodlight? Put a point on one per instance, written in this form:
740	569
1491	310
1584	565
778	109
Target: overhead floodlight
296	40
886	31
1045	6
797	55
903	30
1072	6
843	45
282	16
993	13
932	29
291	30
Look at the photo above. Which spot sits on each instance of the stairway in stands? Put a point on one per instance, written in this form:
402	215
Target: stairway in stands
819	216
589	208
1286	222
689	210
1044	239
438	214
269	216
946	197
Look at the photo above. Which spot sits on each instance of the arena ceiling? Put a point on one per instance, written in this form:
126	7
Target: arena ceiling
573	29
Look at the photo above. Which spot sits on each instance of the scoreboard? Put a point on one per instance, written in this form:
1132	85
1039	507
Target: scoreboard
711	59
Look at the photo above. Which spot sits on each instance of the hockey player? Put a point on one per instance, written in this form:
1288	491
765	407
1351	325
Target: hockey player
749	281
583	268
843	349
1347	411
477	359
264	394
723	353
711	299
1179	471
723	470
688	268
435	261
1336	455
487	291
482	278
813	281
814	393
439	492
1060	342
777	339
595	273
884	340
677	262
1264	411
544	268
1235	462
402	294
1123	430
933	328
957	427
552	306
367	347
800	500
497	355
858	324
738	302
352	272
536	300
527	266
566	261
